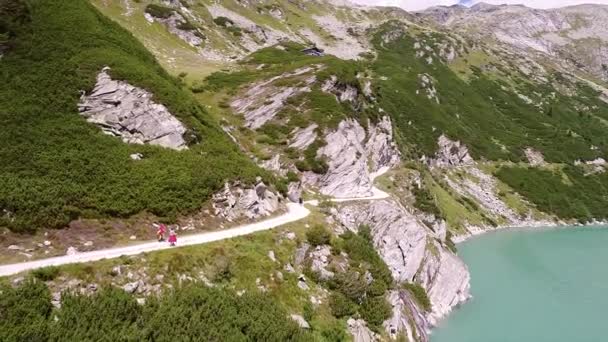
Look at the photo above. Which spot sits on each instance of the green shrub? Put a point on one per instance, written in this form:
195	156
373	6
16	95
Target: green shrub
318	235
375	311
341	306
46	273
159	11
419	294
335	332
192	313
360	248
186	26
25	312
223	21
351	284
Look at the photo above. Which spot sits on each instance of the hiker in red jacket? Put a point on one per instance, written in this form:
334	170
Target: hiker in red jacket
160	233
172	237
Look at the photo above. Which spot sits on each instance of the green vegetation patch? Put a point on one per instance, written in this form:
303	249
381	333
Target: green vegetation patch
583	198
419	294
159	11
483	110
193	312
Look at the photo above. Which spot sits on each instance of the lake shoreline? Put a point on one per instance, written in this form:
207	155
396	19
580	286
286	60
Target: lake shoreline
555	256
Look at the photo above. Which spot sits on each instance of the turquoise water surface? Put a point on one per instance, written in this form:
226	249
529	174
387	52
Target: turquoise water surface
533	285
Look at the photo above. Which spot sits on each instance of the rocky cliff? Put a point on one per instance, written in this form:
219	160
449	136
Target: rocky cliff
354	156
130	113
413	254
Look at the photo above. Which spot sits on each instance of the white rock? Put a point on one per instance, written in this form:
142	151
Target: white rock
359	330
137	156
123	110
535	158
407	318
349	150
234	202
320	260
302	138
15	248
451	153
47	243
71	251
131	287
271	256
88	244
301	321
133	237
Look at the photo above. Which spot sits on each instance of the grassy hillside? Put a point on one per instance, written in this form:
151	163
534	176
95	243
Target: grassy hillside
56	166
484	112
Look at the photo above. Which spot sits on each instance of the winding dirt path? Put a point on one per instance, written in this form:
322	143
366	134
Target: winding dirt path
295	212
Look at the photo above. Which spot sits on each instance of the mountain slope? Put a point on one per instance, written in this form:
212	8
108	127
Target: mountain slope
57	167
573	37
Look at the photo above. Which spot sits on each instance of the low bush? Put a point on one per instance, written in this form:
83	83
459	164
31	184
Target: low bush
46	273
159	11
223	21
192	313
318	235
419	294
341	306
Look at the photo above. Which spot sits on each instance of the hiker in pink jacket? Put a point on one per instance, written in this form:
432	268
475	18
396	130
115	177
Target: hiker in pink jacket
172	237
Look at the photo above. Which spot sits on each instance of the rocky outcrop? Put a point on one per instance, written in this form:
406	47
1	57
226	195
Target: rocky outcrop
482	187
446	280
128	112
302	323
343	92
354	155
236	202
302	138
406	318
320	258
410	251
360	332
535	158
262	101
450	153
427	86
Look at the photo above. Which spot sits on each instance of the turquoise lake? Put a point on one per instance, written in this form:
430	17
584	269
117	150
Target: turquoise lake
533	285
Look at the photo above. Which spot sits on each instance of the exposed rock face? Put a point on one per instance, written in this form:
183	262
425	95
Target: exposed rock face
320	260
451	153
411	253
415	328
348	152
235	202
446	280
361	333
427	85
263	100
398	236
294	192
125	111
573	36
483	190
302	138
344	92
535	158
